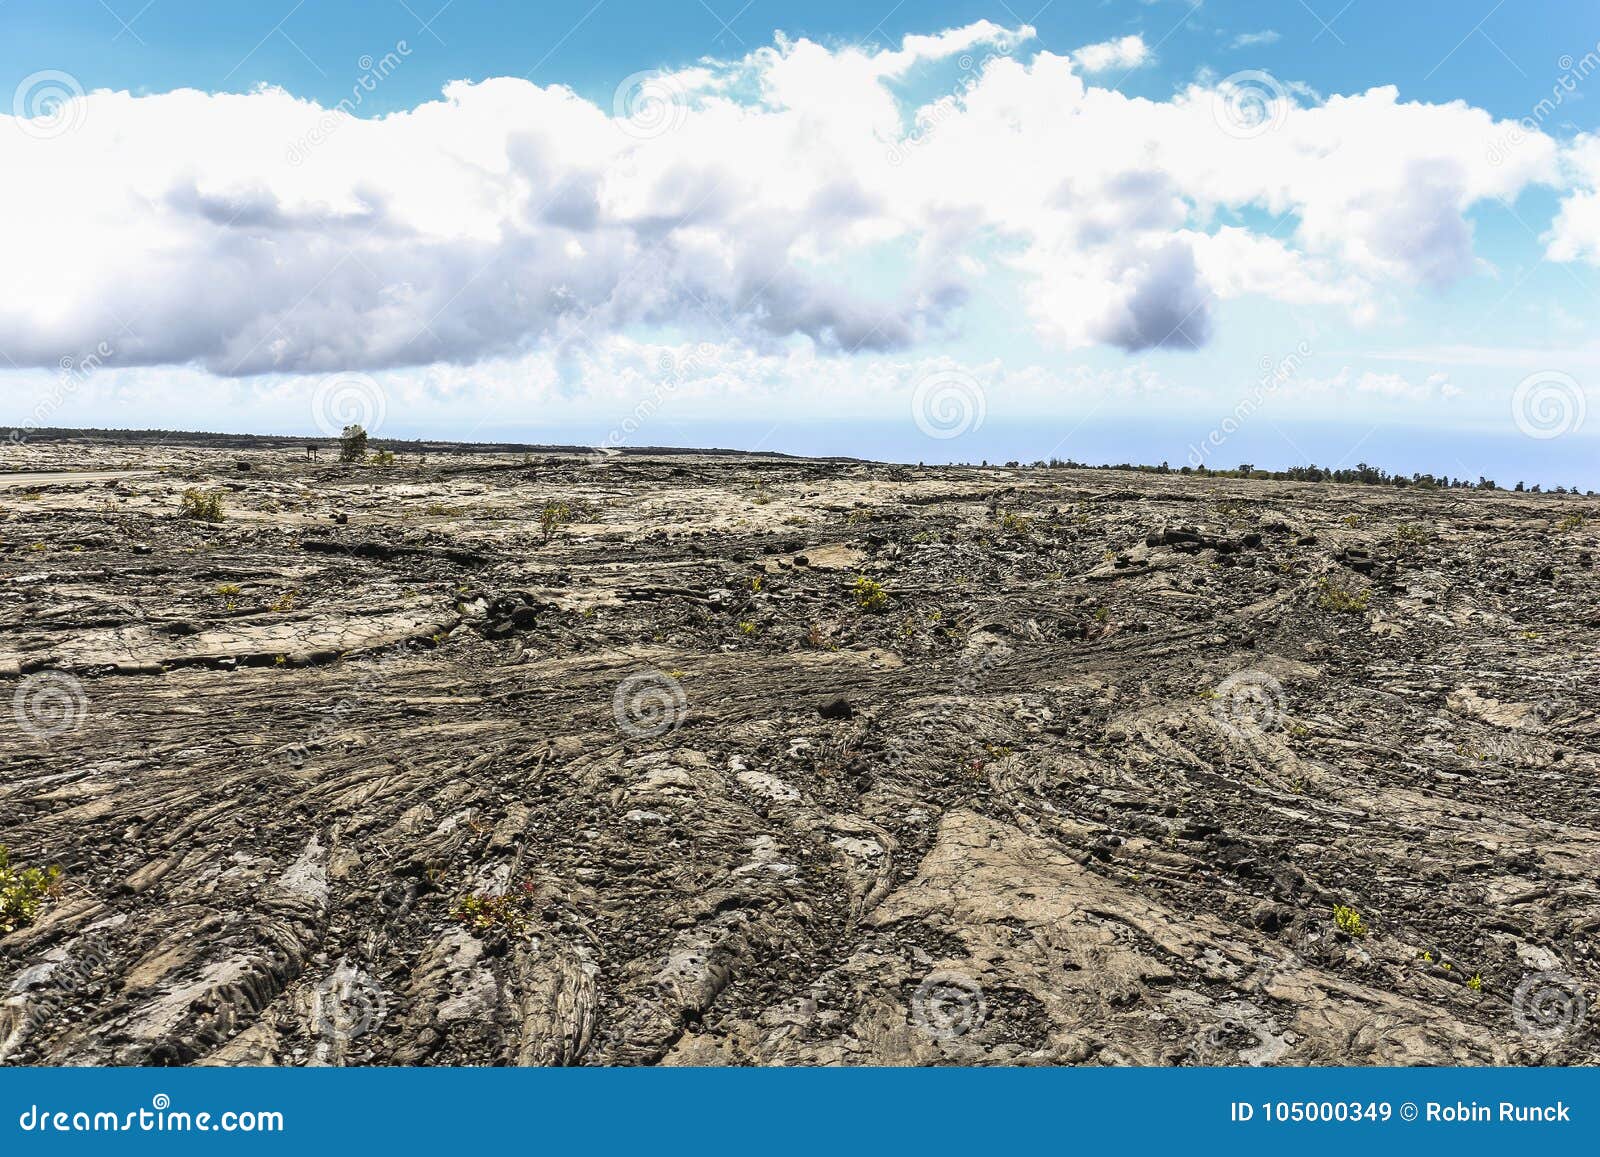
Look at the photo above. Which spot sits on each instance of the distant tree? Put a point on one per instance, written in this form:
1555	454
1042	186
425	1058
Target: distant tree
353	444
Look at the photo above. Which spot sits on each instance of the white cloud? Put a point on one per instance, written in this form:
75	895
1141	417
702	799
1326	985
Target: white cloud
1575	233
1123	53
235	232
1371	384
1253	39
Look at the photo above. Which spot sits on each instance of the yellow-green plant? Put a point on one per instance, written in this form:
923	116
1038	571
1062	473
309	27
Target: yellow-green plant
201	505
1348	921
510	912
1333	595
553	517
869	594
23	892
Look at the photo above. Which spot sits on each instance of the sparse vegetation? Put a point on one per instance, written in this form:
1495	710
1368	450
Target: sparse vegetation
1334	595
1349	921
1016	524
24	892
869	594
352	444
201	505
552	518
510	912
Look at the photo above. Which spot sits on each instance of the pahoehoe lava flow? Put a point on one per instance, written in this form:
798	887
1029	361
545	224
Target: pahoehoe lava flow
690	758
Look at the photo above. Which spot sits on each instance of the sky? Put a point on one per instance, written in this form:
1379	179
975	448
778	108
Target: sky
1214	232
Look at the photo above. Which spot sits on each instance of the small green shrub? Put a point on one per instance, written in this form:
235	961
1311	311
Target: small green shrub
23	892
510	912
1333	595
554	516
1348	921
201	505
1019	524
869	594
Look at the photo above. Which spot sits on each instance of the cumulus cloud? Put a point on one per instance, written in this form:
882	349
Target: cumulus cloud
1123	53
789	194
1575	233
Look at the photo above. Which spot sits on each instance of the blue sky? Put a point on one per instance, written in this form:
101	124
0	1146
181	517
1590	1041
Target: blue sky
1344	260
1436	51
